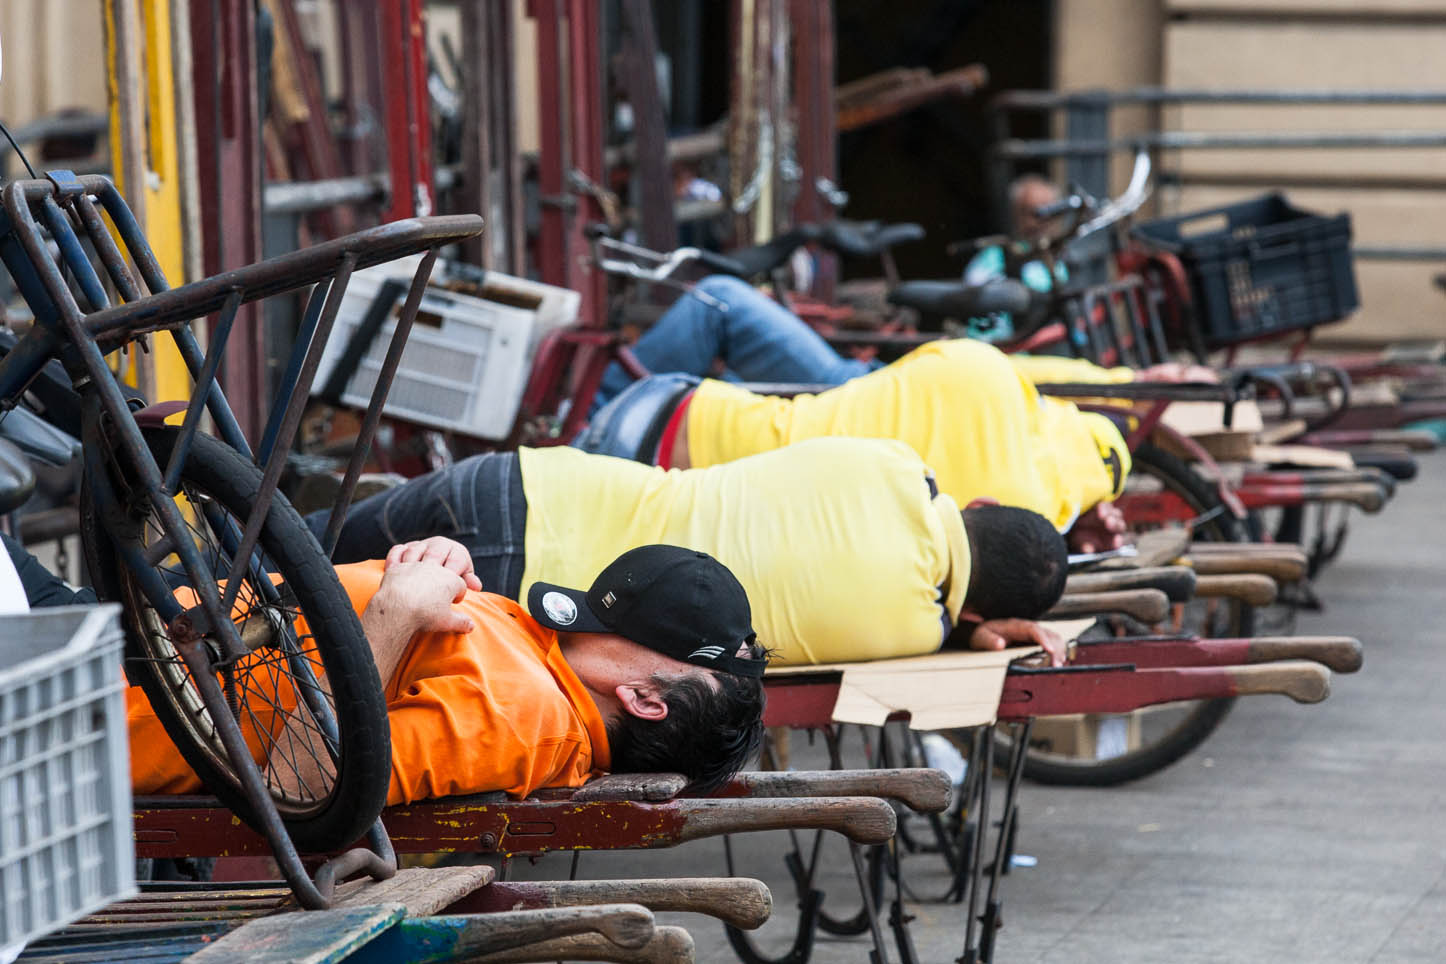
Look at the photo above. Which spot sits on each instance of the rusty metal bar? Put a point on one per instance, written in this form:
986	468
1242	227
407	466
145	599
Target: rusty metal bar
1047	100
651	179
276	458
362	447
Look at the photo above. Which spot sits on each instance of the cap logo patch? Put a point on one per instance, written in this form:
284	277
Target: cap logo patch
707	652
608	600
559	608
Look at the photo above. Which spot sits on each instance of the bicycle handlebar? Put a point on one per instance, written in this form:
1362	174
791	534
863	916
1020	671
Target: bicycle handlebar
1074	202
649	265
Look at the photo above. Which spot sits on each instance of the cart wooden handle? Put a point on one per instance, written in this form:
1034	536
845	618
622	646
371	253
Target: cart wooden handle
1176	582
737	901
626	925
1252	589
865	820
1284	566
1146	605
1367	496
1157	548
669	945
1302	681
922	789
1235	548
1343	654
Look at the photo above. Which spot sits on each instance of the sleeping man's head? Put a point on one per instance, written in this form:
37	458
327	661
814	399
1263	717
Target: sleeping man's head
1018	562
664	644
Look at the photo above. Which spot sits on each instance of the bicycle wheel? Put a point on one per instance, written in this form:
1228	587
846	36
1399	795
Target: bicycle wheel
1118	748
299	626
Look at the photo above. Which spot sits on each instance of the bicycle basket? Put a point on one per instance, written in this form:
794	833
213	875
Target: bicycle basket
1260	267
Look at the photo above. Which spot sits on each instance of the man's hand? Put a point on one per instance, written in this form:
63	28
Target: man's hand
1102	527
417	597
996	634
448	553
1177	372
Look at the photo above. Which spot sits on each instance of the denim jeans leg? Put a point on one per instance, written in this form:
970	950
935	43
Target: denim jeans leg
757	338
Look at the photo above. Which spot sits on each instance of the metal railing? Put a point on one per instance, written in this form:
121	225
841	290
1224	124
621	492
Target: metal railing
1088	144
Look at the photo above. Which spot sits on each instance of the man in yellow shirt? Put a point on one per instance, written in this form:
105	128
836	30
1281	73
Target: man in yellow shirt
845	548
970	411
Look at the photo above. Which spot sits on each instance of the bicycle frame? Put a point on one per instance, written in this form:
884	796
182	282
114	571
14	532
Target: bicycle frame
204	635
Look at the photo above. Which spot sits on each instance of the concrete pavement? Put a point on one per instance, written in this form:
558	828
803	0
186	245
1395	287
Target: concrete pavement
1295	833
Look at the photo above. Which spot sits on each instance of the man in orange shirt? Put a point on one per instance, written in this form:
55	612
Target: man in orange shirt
655	668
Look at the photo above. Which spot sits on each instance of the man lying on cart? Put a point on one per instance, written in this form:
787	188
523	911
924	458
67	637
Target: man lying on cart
655	668
846	548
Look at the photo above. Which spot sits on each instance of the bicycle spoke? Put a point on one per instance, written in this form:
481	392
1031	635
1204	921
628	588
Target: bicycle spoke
274	691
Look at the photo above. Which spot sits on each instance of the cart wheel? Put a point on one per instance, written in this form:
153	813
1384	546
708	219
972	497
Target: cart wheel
290	580
750	949
1103	750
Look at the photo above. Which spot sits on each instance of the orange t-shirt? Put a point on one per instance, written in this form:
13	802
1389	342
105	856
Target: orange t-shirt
494	709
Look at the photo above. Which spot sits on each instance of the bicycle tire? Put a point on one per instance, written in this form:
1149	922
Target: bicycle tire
859	921
1206	715
362	760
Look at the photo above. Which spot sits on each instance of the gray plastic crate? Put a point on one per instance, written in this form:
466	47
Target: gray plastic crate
66	847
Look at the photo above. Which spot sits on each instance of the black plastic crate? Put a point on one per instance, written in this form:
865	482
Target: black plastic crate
1261	267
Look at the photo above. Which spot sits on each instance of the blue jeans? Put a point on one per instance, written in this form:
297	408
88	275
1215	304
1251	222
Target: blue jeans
757	338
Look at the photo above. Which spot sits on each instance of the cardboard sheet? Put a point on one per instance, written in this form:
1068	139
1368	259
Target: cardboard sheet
1204	418
940	691
1303	455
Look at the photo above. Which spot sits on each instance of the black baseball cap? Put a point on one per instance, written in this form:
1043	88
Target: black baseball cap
678	602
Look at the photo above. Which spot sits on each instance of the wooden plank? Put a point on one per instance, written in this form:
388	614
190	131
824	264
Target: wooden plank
1159	547
312	937
632	786
421	890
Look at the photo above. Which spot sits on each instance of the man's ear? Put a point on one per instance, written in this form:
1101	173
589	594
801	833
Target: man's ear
643	700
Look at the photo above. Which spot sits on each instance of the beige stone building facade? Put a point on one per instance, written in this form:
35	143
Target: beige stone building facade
1396	196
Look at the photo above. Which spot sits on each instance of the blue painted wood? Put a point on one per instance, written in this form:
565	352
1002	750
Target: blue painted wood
309	937
131	945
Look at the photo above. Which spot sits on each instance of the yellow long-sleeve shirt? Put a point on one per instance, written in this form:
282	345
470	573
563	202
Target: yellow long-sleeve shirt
973	415
843	549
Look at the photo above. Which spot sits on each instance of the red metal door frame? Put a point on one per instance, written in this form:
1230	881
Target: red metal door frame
408	117
571	148
228	146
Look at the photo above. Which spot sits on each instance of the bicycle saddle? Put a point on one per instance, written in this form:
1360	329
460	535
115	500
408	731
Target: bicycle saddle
59	403
852	239
866	239
763	258
956	299
36	438
17	479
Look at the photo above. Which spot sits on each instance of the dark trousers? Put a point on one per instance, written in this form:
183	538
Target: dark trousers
478	501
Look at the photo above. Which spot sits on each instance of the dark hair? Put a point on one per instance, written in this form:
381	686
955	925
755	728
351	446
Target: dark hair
1018	562
708	734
